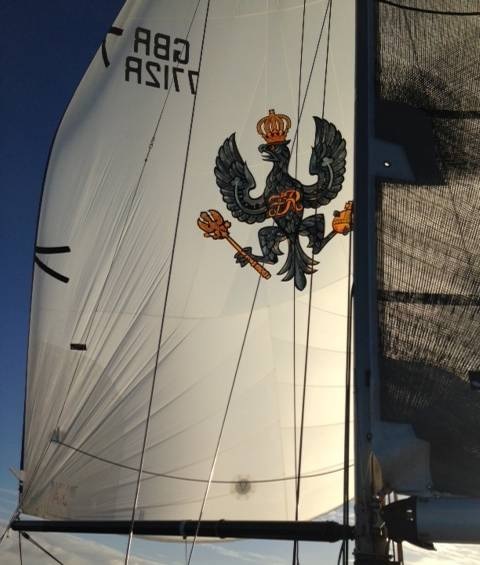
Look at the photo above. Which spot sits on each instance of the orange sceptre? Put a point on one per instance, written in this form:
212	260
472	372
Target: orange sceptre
213	225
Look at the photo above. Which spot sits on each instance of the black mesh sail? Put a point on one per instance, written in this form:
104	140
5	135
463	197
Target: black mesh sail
428	246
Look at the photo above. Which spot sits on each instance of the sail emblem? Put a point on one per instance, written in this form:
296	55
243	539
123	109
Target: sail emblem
284	198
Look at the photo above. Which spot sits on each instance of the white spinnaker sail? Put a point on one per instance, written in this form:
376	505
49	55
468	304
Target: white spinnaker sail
114	187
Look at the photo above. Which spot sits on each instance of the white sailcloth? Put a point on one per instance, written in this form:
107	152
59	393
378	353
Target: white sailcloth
140	274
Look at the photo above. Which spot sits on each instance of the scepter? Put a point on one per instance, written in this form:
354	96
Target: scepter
213	225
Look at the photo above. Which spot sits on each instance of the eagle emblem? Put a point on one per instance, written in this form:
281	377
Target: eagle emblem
284	199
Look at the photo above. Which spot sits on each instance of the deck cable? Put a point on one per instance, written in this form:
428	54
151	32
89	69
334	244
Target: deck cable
14	516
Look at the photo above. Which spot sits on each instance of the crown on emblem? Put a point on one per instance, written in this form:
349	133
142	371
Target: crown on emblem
274	127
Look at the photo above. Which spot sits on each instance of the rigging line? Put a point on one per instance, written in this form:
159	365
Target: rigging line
191	479
20	555
295	542
170	270
13	517
341	552
309	316
311	68
224	420
348	368
29	538
426	11
326	60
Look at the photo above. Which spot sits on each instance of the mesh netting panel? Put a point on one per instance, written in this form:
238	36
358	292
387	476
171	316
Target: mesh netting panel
429	239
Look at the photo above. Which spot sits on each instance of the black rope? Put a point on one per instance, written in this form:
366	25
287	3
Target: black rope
170	270
426	11
29	538
295	542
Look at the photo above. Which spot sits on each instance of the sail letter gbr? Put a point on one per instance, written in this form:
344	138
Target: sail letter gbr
160	61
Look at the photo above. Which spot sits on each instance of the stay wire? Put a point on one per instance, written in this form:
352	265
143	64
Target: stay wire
14	516
310	296
20	556
86	333
295	559
29	538
326	60
169	278
224	420
312	67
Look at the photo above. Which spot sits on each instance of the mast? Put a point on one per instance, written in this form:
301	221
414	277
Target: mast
369	547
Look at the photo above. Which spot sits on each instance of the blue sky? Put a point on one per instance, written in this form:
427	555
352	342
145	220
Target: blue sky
45	47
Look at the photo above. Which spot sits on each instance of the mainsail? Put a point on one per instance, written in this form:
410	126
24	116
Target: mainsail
428	253
137	318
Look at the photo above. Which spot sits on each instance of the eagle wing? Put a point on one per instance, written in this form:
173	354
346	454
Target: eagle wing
327	162
236	182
